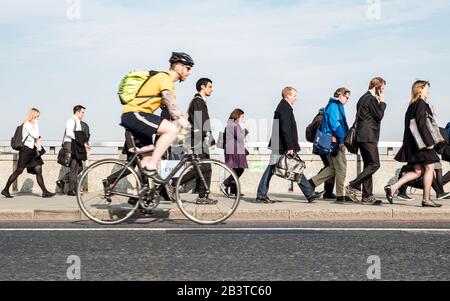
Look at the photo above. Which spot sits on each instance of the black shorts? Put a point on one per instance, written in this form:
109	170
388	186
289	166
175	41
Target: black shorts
142	125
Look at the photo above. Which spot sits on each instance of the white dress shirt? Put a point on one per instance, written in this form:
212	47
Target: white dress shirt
30	134
71	124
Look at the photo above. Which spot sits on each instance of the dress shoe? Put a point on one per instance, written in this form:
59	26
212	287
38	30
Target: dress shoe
316	195
431	204
71	193
60	184
6	194
389	195
48	194
343	199
264	200
329	196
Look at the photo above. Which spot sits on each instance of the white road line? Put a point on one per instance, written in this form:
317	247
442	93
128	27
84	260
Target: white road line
218	230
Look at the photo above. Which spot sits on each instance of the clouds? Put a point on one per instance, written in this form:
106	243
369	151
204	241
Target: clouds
251	48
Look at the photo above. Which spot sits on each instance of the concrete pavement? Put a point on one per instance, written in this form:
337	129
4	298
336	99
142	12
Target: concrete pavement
28	207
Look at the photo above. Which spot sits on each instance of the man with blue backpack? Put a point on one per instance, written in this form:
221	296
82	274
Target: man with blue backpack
330	142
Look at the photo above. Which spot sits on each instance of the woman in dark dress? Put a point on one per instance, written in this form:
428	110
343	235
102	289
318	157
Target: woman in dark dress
30	155
424	159
235	152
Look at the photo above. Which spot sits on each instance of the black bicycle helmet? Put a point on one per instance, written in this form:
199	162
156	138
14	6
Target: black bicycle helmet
182	58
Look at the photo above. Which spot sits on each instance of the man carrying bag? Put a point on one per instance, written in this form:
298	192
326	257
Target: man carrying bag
284	142
75	147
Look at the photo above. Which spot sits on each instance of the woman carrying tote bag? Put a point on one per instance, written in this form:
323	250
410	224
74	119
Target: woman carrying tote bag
422	159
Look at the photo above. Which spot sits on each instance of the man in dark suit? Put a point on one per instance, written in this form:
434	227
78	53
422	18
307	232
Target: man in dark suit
284	141
371	109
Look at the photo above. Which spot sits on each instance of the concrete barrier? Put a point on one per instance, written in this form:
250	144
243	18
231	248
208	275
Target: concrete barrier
258	160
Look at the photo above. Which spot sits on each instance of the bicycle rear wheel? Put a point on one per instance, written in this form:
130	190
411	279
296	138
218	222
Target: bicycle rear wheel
218	206
108	192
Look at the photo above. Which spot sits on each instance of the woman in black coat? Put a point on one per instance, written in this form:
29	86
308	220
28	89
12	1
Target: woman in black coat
424	159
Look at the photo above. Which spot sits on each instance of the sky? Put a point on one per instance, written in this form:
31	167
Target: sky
55	54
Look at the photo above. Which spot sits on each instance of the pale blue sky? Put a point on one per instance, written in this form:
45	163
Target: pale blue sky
251	49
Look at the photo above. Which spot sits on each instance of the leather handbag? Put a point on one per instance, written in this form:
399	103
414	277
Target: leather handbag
64	157
65	154
432	127
350	140
290	167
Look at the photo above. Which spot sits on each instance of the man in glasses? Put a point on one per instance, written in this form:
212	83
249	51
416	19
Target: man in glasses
139	115
334	124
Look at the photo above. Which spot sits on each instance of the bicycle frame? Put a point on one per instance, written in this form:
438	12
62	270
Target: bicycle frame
189	158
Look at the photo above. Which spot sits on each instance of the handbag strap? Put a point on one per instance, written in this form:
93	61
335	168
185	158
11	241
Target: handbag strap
65	132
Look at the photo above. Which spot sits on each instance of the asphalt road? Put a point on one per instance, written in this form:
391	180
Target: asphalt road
154	250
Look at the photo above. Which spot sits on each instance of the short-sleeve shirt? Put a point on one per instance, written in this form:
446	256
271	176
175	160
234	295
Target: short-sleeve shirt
152	88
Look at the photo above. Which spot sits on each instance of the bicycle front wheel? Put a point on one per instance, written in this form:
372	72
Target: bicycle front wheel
108	192
215	194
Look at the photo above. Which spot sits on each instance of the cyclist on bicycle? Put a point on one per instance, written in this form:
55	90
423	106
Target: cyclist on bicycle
139	118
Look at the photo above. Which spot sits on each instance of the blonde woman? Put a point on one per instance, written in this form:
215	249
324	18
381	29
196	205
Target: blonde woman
423	160
30	154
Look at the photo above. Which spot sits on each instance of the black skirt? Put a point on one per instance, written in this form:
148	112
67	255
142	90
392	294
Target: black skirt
426	156
29	159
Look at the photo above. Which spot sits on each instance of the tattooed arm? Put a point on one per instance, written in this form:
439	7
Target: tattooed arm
175	113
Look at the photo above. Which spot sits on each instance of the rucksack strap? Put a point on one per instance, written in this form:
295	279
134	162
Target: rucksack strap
151	74
23	125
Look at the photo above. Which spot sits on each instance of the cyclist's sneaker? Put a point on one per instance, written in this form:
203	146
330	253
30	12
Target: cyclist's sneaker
171	192
153	174
205	201
132	201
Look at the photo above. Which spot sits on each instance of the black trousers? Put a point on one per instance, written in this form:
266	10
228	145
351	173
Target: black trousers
206	171
76	167
229	182
371	158
329	184
446	179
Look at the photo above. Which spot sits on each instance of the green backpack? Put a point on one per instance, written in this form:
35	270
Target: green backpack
131	85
